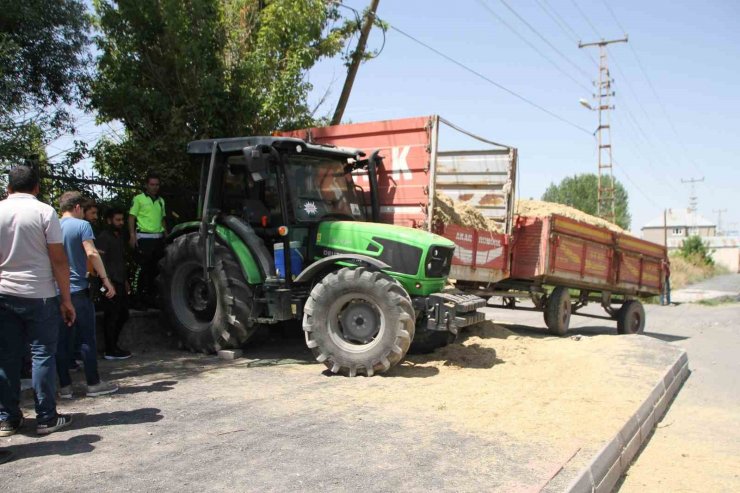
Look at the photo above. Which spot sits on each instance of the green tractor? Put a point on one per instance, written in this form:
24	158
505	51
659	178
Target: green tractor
285	234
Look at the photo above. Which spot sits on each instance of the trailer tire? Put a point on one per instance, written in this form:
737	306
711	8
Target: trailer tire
558	310
631	318
206	315
358	321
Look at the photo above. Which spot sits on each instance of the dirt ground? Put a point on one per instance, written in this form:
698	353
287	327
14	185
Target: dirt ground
498	410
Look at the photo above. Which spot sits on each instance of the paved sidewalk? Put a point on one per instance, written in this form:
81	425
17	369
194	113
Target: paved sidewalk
727	286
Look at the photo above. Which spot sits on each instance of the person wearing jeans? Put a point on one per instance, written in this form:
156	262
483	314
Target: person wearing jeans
32	258
78	239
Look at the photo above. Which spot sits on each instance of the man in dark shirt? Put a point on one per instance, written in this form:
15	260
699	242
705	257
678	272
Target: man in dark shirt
111	246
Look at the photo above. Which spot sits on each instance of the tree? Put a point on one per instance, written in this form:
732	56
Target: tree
696	251
44	68
178	70
581	192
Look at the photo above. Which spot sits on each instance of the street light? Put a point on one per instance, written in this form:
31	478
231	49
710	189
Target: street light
585	104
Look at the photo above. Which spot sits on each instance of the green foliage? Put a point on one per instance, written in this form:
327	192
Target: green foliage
44	67
177	70
581	192
694	250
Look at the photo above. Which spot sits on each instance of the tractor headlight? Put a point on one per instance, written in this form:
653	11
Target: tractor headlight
439	261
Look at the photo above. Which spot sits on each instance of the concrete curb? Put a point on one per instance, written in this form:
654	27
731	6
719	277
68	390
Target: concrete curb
602	474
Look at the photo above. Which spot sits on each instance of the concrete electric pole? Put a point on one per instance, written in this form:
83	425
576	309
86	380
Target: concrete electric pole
719	213
693	199
606	200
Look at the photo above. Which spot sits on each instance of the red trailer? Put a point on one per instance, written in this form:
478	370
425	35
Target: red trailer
544	259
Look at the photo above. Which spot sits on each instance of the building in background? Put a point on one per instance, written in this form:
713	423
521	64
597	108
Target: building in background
679	224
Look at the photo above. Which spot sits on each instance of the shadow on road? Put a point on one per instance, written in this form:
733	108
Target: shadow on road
80	444
117	418
162	386
665	337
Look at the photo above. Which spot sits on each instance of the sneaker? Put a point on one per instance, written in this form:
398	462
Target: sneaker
55	424
118	354
102	388
65	392
8	428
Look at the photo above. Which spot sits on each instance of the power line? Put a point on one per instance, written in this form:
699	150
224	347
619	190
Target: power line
564	26
585	17
621	169
490	81
655	92
525	40
544	40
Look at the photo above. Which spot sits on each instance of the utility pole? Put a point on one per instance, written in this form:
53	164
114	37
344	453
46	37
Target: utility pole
355	62
693	199
606	199
719	213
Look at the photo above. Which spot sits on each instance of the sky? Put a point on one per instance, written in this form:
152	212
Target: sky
676	105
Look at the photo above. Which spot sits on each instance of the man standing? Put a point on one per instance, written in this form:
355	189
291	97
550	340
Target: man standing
147	228
111	246
77	235
31	258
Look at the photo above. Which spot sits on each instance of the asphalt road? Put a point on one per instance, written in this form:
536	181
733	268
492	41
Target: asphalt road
192	423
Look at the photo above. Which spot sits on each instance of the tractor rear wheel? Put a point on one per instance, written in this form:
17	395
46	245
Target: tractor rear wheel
358	321
207	314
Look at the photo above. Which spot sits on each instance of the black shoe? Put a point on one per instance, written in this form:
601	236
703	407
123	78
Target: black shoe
5	456
8	428
118	354
55	424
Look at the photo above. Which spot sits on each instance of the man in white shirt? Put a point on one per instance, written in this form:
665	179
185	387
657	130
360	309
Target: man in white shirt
32	265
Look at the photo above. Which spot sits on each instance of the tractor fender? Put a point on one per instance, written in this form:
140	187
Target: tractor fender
321	265
233	241
255	244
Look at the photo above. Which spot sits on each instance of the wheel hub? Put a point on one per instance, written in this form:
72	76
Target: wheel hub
359	321
200	297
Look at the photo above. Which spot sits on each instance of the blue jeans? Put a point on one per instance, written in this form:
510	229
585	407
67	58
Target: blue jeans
22	321
82	331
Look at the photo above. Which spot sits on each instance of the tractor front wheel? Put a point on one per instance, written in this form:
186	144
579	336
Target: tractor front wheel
208	314
358	321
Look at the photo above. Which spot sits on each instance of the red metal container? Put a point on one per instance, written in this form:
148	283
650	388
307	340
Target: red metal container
557	250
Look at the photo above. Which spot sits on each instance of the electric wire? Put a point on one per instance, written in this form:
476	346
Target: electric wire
565	27
585	17
544	40
491	81
531	45
654	91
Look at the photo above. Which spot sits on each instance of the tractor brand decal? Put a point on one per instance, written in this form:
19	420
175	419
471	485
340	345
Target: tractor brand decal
355	209
310	208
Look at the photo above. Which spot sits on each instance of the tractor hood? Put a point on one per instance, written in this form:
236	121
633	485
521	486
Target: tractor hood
411	253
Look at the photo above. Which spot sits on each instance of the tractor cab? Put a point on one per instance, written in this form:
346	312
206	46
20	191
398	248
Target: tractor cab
282	188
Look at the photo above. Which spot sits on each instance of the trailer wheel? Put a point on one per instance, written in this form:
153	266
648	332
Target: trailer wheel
557	311
631	318
207	314
358	321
